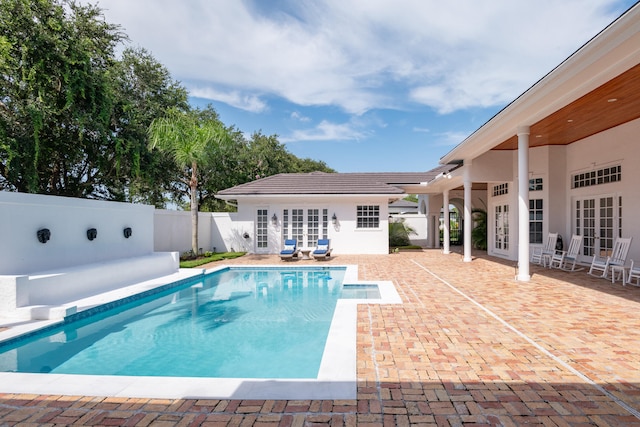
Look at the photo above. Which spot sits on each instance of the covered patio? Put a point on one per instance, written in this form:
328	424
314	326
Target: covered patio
469	346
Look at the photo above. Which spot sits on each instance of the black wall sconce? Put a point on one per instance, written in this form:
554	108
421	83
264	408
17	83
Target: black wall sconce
245	235
274	219
127	232
43	235
334	219
92	233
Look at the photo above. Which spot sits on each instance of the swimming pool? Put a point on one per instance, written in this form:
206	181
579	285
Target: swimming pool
210	306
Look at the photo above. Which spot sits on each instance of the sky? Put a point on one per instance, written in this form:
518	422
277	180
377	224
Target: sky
363	85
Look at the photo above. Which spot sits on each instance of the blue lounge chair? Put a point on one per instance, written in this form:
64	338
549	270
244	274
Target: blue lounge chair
290	249
323	250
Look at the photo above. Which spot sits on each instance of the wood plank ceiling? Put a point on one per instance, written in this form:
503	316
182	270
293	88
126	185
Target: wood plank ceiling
612	104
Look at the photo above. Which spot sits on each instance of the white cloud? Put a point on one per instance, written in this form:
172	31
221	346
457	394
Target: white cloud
448	139
326	131
234	98
362	54
299	117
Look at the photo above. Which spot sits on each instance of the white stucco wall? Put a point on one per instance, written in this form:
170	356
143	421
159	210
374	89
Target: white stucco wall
22	215
227	231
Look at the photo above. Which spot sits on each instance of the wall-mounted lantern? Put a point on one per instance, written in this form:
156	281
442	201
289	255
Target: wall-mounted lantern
245	235
43	235
127	232
334	219
92	233
274	219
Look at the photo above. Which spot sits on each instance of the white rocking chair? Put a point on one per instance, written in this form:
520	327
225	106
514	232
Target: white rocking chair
562	259
617	258
542	254
634	273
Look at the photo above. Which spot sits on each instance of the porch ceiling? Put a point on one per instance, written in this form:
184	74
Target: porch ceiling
612	104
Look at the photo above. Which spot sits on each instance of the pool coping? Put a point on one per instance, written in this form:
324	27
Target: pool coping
336	378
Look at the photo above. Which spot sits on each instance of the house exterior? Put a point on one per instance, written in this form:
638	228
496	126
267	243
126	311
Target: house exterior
562	157
351	209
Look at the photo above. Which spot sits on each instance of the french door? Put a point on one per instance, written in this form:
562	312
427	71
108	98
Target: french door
306	225
501	229
598	220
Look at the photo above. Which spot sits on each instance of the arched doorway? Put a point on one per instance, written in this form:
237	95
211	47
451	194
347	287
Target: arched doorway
456	237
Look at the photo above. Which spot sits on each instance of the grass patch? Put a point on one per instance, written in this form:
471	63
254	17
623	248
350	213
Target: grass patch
401	248
210	257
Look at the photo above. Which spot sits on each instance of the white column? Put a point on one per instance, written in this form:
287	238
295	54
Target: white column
523	204
468	221
446	223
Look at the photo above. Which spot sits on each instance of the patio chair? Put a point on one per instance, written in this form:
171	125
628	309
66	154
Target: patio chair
290	250
322	251
617	258
542	254
634	273
562	259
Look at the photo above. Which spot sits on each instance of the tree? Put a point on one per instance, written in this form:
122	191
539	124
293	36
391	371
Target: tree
55	102
143	90
188	138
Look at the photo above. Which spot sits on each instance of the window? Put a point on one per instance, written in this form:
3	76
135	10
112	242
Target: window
499	190
535	184
262	225
368	216
597	177
535	221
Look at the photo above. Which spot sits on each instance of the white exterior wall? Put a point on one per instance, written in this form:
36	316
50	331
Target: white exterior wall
22	215
227	231
556	164
617	146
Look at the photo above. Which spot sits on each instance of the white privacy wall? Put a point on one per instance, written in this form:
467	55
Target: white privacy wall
22	215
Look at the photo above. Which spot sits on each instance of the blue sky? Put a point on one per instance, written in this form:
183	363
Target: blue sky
363	85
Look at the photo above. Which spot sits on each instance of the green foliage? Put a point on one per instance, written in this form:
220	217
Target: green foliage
74	119
399	233
479	232
411	198
56	97
207	258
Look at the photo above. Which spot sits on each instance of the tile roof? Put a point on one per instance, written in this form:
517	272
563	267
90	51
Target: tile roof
333	183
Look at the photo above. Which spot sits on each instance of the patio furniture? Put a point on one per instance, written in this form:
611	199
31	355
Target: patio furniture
290	250
618	271
634	273
305	252
618	257
562	259
542	254
322	251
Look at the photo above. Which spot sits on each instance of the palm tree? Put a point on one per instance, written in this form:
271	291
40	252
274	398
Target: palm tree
187	137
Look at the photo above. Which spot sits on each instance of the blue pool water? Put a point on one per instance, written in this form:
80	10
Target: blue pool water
237	323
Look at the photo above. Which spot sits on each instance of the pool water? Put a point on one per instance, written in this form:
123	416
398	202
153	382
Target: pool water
237	323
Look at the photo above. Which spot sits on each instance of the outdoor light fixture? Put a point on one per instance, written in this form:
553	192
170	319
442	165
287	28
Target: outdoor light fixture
334	218
127	232
274	219
92	233
43	235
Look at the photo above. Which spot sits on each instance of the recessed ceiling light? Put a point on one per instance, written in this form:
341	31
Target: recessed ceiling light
570	121
612	99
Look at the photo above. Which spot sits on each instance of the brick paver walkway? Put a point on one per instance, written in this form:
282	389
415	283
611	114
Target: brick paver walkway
469	346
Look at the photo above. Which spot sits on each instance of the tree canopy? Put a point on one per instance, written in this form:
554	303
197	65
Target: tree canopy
74	116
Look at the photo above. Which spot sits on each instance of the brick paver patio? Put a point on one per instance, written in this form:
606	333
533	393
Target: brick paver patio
469	346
